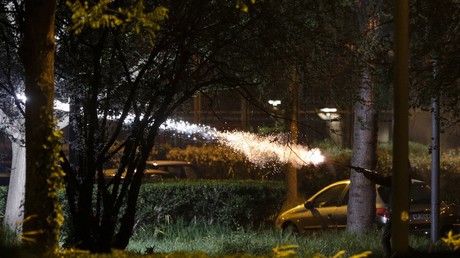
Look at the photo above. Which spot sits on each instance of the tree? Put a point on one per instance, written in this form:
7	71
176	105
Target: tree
122	88
371	51
13	211
41	208
310	38
12	112
433	43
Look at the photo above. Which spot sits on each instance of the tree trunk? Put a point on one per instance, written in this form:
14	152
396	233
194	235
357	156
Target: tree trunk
14	212
361	205
37	54
291	173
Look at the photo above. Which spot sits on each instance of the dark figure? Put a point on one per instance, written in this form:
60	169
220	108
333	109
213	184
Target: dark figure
379	179
376	178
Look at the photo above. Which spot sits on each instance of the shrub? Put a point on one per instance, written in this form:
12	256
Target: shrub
230	203
220	162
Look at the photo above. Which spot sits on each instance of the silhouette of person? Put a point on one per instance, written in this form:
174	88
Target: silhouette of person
382	180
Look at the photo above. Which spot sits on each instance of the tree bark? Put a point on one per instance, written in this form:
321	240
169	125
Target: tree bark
37	55
291	173
14	212
361	206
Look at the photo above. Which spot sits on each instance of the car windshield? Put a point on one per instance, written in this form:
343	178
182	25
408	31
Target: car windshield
419	193
179	171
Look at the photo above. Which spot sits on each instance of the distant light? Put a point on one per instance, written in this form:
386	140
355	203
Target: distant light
275	102
328	110
328	114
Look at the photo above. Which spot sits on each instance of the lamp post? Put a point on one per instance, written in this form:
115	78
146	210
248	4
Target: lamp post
326	115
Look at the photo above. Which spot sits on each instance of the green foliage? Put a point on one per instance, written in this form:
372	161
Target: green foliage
219	242
221	162
55	177
420	160
3	196
8	241
235	204
100	15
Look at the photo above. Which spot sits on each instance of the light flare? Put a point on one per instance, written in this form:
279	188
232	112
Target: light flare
259	150
183	127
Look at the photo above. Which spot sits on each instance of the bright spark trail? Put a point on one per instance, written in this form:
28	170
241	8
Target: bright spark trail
259	150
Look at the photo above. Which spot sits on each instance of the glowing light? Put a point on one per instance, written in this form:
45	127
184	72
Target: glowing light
183	127
58	105
260	150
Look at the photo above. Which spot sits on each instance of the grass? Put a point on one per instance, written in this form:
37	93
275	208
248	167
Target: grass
220	241
193	240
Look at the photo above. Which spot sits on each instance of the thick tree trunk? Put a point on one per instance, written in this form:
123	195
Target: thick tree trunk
361	206
37	54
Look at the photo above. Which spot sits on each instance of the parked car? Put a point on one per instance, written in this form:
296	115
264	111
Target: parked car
165	169
328	209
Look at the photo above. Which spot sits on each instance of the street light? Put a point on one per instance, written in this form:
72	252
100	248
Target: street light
274	103
330	115
325	113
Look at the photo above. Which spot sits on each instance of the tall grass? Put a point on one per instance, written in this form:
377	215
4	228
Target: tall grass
217	240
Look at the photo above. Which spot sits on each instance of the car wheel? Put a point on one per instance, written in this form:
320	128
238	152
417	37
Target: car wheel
290	229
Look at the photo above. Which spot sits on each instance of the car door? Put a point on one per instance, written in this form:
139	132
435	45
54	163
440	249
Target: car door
339	217
321	209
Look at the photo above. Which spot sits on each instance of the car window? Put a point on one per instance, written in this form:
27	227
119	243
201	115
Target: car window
345	198
419	193
329	197
384	193
176	171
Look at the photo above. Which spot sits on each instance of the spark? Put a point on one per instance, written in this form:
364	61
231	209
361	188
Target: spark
259	150
183	127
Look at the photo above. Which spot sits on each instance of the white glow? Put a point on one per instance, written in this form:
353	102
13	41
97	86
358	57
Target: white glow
58	105
183	127
274	103
259	150
328	110
263	149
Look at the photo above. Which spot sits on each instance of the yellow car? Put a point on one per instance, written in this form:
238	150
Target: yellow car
328	209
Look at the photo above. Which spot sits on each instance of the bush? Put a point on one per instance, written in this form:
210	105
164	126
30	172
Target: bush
420	160
220	162
236	204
